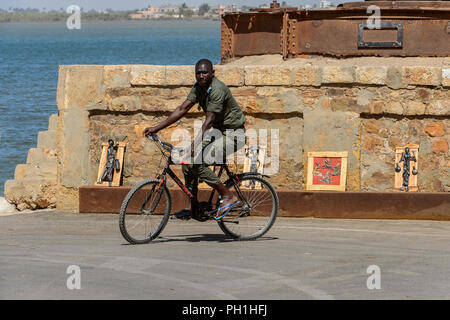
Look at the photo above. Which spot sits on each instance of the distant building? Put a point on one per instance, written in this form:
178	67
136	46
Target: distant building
165	10
169	9
149	13
221	9
325	4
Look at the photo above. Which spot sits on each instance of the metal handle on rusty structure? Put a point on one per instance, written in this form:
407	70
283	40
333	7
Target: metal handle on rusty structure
383	26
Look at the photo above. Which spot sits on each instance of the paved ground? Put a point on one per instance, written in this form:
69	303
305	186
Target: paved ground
301	258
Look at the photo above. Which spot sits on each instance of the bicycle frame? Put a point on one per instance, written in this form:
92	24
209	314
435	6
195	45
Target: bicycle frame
167	171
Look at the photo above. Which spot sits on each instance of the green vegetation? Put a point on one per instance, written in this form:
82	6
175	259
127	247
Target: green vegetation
204	8
34	15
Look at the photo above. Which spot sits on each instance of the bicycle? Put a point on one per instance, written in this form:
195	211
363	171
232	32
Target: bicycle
146	208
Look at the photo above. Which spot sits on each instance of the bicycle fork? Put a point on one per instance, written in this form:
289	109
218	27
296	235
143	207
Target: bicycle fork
158	196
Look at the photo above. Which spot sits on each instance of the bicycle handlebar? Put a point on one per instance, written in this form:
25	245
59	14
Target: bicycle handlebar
154	137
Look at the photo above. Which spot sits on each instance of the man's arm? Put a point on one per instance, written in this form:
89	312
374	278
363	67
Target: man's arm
176	115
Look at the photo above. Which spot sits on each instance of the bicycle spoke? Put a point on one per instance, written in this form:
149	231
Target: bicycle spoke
145	212
257	212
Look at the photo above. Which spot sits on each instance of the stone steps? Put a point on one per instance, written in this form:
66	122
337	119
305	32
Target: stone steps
34	184
39	155
47	139
36	170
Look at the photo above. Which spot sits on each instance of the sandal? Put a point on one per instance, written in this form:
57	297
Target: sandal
228	208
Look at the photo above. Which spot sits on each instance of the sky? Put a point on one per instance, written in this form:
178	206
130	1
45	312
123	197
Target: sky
137	4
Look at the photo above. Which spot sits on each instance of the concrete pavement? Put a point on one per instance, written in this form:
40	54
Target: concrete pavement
300	258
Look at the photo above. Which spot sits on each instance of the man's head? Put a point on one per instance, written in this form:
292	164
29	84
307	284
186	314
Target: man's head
204	73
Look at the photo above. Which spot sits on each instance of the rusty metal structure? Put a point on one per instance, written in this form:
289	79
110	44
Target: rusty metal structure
406	28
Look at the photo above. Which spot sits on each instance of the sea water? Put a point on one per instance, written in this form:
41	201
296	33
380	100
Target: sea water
30	54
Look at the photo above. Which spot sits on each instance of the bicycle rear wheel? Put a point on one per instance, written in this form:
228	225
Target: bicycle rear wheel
256	213
145	212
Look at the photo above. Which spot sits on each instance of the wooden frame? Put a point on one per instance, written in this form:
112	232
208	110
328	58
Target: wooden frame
398	182
259	165
327	170
119	156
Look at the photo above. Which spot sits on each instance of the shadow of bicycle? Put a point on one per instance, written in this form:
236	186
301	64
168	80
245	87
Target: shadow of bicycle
219	238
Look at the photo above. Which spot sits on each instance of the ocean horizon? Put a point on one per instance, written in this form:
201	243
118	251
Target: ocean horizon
31	53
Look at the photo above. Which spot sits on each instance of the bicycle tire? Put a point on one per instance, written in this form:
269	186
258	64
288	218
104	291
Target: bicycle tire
239	215
132	209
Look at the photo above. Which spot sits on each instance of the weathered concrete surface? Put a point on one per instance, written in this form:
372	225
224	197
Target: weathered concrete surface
300	258
337	133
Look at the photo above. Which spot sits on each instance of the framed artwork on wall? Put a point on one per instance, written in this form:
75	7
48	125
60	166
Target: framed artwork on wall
111	164
406	168
327	170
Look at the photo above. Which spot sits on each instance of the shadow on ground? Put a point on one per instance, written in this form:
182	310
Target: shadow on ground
219	238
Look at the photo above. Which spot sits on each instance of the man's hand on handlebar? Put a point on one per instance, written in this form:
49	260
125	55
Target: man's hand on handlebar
149	131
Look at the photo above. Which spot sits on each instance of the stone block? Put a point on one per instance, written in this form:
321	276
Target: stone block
147	75
45	170
31	193
394	78
53	122
267	75
415	108
446	77
231	76
338	74
39	155
47	139
376	106
73	154
421	75
125	103
371	75
117	76
435	129
67	198
364	97
440	146
307	75
80	86
180	76
439	108
274	100
393	107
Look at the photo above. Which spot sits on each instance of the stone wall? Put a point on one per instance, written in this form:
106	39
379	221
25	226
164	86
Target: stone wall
365	110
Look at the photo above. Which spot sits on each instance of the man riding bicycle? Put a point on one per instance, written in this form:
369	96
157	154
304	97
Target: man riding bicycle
222	113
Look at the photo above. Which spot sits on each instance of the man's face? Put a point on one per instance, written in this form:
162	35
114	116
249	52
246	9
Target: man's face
204	75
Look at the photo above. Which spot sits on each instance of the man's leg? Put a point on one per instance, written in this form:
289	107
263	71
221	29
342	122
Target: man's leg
190	172
216	152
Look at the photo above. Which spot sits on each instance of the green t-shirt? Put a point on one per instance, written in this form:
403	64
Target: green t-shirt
218	99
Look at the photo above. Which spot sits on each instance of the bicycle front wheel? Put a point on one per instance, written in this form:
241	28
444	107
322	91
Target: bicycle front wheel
145	212
256	213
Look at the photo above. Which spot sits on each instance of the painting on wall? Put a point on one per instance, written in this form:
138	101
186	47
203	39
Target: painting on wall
327	170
